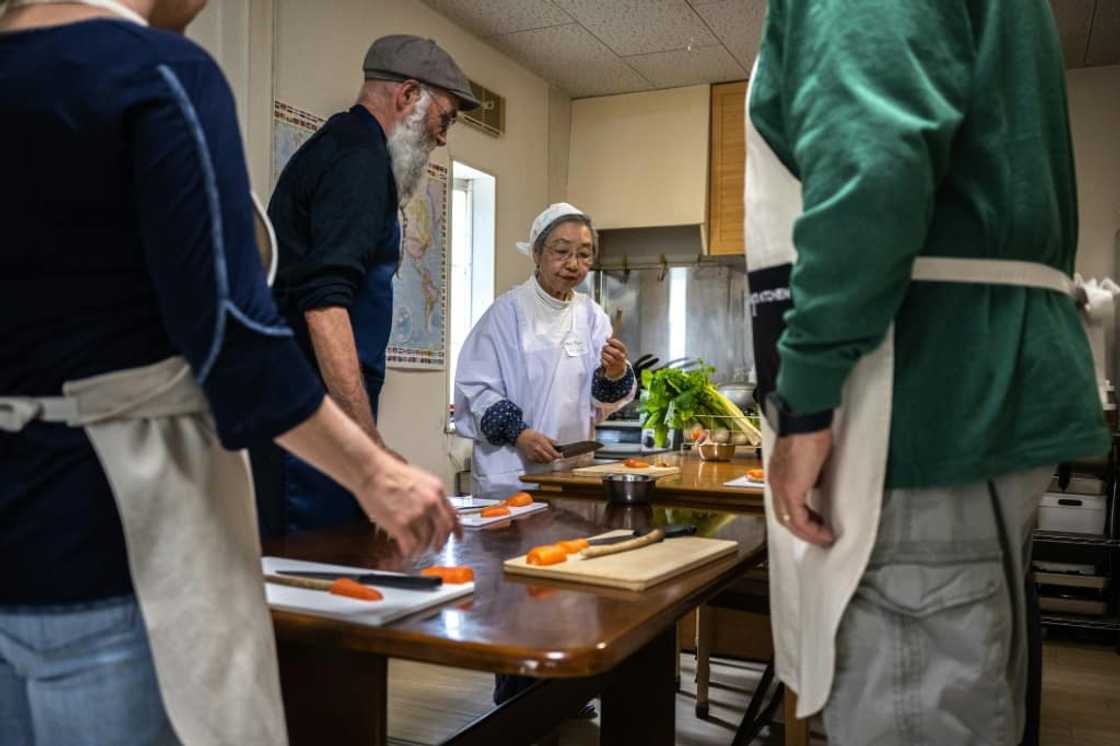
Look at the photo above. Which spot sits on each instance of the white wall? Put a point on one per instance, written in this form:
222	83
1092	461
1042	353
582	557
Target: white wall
1094	103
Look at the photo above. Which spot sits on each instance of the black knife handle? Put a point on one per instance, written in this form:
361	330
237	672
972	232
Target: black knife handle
407	582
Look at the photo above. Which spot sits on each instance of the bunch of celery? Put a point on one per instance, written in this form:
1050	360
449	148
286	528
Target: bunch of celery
675	399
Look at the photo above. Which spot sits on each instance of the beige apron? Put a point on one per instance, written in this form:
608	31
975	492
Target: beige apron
186	505
810	587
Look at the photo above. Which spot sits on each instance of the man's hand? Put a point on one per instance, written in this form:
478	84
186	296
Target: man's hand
537	447
409	504
613	358
794	469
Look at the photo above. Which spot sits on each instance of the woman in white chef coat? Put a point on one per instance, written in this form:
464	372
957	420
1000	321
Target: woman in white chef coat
542	365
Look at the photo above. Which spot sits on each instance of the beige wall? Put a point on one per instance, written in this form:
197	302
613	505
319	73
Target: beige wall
559	143
1094	102
318	57
238	33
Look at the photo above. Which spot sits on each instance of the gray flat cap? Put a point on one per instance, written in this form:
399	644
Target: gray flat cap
404	57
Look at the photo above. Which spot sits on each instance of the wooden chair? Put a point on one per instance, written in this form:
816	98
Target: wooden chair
751	594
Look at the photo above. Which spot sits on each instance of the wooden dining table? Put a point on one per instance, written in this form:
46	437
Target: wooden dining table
580	641
699	484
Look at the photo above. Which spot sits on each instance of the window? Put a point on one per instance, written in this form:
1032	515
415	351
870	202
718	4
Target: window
471	283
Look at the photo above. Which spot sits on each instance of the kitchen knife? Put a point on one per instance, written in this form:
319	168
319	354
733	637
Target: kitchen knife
578	449
671	531
383	579
653	537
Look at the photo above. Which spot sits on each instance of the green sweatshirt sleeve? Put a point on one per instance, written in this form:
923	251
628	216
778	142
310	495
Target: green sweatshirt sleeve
872	92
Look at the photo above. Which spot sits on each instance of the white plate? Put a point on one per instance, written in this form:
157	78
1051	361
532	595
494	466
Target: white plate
745	481
466	502
474	520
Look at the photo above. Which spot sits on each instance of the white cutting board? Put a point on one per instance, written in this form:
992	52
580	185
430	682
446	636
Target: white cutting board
475	520
619	468
635	570
397	603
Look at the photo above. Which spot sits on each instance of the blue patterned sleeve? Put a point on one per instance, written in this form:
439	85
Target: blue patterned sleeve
604	390
502	423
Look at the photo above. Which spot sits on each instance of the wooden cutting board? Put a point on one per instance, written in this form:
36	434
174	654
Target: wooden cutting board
617	468
635	570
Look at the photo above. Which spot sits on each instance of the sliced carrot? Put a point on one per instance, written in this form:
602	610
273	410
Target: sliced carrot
494	511
520	500
635	463
354	589
573	545
549	554
453	575
757	475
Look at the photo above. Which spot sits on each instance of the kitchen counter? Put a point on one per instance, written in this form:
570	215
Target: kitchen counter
700	484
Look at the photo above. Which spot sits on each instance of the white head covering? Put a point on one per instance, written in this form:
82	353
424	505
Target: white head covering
540	224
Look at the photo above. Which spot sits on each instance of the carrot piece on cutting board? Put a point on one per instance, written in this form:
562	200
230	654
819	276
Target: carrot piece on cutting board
573	545
453	575
354	589
520	500
635	463
757	475
550	554
494	511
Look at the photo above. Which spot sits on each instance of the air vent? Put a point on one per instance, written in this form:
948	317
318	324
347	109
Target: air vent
490	117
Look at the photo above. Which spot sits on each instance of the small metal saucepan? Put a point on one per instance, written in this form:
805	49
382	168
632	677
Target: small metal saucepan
629	489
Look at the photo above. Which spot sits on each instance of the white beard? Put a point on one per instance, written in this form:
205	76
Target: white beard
409	148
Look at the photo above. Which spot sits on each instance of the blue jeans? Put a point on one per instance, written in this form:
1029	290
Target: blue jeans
79	674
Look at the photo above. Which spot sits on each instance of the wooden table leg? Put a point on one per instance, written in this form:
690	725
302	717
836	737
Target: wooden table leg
704	634
639	698
797	731
333	695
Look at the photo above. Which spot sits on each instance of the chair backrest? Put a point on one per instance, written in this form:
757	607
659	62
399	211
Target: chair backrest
266	239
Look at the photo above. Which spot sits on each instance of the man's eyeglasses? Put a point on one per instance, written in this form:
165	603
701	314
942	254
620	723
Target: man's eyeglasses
446	117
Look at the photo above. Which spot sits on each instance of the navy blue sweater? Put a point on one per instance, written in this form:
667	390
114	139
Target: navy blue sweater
128	238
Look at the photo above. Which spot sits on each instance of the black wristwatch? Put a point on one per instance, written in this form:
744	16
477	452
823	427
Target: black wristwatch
784	422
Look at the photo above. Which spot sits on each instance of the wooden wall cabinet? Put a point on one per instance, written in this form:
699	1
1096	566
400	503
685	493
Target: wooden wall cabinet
640	160
727	169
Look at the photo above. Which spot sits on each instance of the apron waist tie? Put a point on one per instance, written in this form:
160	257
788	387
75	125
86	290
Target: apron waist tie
165	389
17	412
992	272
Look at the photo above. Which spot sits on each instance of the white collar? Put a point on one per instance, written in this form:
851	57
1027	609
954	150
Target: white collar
547	300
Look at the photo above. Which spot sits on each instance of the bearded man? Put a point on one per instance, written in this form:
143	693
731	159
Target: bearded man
335	210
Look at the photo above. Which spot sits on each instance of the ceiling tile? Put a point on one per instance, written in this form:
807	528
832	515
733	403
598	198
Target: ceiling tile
681	67
1074	17
1104	42
493	17
738	24
573	59
641	26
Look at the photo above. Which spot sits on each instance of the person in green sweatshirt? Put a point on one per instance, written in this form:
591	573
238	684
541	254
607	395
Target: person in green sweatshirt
911	231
